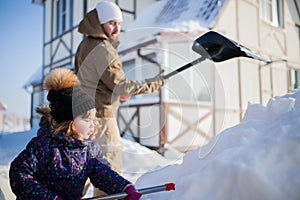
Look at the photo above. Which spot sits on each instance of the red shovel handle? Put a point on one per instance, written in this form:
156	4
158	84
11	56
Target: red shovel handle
170	186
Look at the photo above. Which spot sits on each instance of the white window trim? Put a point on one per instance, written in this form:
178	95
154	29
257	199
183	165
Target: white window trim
59	16
294	78
277	15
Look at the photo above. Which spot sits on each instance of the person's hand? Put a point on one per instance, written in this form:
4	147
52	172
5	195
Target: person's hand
156	79
123	99
132	194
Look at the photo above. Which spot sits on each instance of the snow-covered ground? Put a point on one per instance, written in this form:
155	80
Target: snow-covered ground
257	159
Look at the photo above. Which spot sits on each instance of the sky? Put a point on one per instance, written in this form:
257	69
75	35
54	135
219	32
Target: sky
256	159
21	36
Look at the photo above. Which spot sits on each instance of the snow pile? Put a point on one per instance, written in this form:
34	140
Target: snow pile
257	159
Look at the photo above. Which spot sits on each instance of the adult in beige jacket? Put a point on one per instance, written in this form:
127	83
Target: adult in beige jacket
100	72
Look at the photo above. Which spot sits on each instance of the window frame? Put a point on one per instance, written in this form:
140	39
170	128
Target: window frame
294	78
275	14
64	15
137	75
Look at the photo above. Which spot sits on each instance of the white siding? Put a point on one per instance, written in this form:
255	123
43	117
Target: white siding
78	12
248	16
293	45
47	21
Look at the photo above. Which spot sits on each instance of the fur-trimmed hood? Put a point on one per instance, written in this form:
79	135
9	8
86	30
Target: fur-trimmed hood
46	118
44	111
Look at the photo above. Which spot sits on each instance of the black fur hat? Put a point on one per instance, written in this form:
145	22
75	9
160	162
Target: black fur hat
66	98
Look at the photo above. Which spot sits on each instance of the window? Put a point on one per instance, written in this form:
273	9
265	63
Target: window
128	68
63	15
189	85
294	78
140	73
271	12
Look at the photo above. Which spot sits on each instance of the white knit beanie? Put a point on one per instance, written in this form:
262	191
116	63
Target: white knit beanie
108	11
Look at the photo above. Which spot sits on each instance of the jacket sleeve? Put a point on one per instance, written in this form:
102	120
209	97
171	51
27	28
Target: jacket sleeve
24	170
95	152
105	179
114	78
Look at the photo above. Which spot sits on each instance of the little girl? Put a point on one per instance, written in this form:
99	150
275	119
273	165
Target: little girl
56	164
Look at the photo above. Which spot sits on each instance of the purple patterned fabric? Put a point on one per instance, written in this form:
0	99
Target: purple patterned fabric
56	164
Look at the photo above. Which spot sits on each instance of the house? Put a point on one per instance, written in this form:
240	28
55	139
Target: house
198	103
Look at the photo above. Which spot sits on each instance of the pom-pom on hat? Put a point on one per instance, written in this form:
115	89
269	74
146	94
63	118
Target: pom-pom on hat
108	11
66	98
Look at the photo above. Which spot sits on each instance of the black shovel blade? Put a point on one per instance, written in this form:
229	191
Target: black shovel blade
218	48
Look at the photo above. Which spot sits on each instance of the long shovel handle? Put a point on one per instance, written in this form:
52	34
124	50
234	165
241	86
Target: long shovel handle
159	188
186	66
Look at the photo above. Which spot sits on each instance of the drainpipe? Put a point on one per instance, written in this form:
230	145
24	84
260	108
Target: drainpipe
147	58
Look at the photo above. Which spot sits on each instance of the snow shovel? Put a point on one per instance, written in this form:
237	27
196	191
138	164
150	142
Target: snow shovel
216	47
148	190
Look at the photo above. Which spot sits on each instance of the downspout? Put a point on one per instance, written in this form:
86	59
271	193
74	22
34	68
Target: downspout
297	7
148	58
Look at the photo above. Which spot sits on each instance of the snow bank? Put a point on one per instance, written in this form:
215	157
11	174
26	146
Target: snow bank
257	159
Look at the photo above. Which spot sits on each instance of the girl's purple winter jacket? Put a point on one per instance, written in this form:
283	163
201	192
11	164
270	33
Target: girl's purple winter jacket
55	164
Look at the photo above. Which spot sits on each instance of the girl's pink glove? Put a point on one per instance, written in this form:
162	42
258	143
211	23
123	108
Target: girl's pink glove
132	194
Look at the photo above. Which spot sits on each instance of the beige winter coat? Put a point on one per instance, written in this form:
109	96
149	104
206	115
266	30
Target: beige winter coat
100	71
